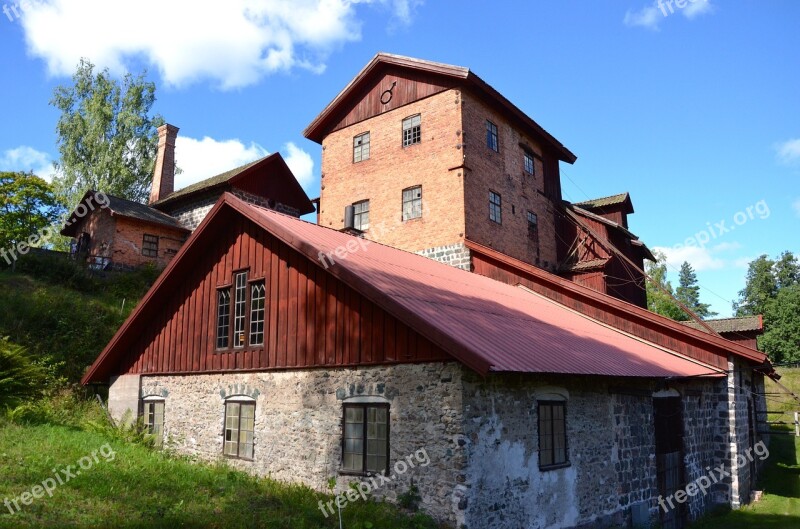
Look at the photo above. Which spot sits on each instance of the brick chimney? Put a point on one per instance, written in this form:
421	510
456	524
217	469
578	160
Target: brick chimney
164	174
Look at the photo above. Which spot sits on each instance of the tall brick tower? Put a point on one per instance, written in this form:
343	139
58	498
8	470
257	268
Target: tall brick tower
429	158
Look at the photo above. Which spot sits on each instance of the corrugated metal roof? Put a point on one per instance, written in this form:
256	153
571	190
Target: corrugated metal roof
501	326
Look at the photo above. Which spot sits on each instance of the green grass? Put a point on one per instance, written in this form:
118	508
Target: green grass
779	508
142	488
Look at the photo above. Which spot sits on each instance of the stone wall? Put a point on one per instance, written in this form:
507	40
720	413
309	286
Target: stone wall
298	424
456	255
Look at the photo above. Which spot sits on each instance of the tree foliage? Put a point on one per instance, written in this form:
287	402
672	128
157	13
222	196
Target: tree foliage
106	137
688	292
28	205
659	301
773	290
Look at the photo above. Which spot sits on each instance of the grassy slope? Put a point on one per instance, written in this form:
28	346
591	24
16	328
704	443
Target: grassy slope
780	506
141	488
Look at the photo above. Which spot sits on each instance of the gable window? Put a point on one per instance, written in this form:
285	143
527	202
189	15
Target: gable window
552	434
412	203
257	305
365	440
491	136
412	131
361	147
527	159
239	308
153	418
240	419
223	317
150	245
495	207
361	219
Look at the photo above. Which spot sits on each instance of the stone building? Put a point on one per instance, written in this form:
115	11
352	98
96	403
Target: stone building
448	303
304	353
124	235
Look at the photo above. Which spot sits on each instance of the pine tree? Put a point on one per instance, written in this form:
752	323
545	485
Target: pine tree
688	292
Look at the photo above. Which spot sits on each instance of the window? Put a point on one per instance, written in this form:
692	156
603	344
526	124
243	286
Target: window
362	215
365	443
361	147
223	317
491	136
412	133
533	228
257	303
154	419
240	419
239	308
412	203
495	208
150	245
552	434
527	159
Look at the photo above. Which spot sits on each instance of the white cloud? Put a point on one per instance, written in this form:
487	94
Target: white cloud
201	159
232	43
789	151
699	258
697	8
648	17
24	158
726	247
301	164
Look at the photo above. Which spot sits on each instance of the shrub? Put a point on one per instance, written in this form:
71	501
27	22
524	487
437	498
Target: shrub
20	377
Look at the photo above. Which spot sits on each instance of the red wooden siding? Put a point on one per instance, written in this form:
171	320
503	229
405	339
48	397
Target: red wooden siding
411	86
311	318
492	268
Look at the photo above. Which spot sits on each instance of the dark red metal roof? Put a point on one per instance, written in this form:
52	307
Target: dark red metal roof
487	325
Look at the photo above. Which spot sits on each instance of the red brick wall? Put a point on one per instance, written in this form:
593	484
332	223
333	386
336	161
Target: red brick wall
101	227
433	163
126	249
503	173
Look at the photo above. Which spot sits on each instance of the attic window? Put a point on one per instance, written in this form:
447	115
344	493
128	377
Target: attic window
150	245
223	317
239	314
257	310
412	130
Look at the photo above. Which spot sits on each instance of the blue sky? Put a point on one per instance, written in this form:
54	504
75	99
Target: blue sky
694	110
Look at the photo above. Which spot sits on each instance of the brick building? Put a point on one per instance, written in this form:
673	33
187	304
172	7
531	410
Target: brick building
122	234
432	158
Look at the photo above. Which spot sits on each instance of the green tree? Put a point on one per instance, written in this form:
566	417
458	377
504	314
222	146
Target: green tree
761	286
688	292
658	300
28	206
781	338
773	290
106	137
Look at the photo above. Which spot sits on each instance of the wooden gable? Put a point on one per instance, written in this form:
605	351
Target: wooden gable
388	88
312	319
